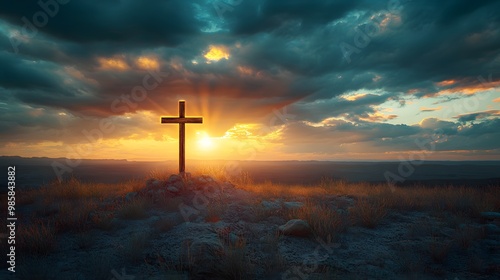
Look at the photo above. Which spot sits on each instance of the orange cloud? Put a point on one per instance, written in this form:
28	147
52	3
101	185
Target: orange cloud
354	97
216	53
446	83
425	109
147	63
497	100
113	64
378	117
465	89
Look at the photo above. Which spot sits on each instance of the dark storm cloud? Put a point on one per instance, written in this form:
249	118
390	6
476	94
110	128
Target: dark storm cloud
290	53
155	23
253	17
379	137
478	116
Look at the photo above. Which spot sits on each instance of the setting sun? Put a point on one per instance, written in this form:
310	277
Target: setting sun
205	141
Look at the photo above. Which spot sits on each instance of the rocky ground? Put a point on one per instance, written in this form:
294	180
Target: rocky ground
206	229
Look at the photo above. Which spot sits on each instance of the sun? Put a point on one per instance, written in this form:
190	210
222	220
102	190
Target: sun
205	142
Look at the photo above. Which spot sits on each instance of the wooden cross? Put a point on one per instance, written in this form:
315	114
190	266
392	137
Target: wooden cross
182	121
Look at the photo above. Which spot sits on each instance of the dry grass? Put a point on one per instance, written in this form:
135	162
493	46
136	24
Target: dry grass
461	201
134	210
368	212
466	235
74	216
36	238
234	264
324	221
74	189
162	174
215	210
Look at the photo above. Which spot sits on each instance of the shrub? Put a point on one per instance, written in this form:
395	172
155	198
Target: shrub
36	238
325	222
368	213
134	210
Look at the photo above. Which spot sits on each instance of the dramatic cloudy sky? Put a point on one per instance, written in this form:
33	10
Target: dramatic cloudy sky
273	79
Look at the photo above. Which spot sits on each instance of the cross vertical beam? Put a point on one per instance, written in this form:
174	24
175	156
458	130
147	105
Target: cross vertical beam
182	137
182	120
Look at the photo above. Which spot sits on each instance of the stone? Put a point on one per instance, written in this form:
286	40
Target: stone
172	189
296	227
271	205
204	179
174	178
202	253
293	205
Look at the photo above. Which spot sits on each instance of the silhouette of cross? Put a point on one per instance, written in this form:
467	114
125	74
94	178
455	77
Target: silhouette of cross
182	121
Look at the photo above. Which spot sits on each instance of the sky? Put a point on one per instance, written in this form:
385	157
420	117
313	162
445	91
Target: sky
272	79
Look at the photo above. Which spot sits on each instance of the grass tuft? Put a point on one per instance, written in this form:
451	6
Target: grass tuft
134	210
368	212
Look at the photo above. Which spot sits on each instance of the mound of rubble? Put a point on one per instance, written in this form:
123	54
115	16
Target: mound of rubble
183	184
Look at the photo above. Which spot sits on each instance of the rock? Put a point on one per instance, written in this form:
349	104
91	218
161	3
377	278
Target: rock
174	178
296	227
156	184
293	205
271	205
491	215
204	179
172	189
203	253
130	196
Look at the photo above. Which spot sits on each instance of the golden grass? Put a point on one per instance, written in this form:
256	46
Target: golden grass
324	221
76	189
368	212
74	216
36	238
